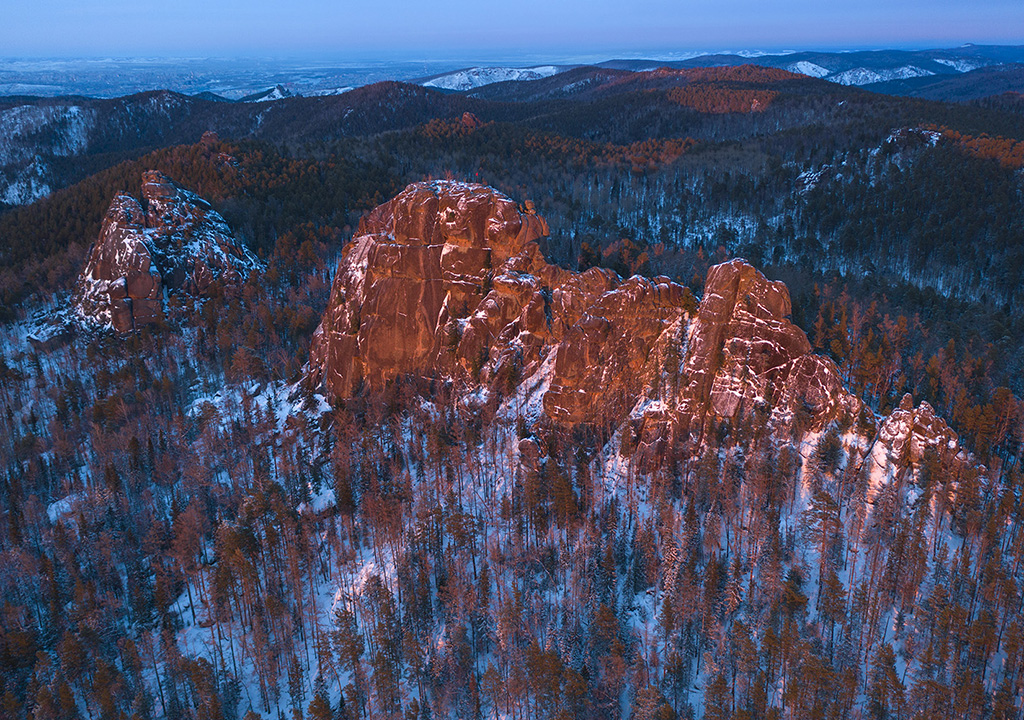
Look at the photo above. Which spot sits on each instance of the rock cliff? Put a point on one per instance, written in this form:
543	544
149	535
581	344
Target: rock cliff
171	240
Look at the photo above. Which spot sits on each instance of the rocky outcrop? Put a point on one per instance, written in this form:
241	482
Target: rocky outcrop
745	354
121	285
170	240
471	121
601	361
744	362
447	281
905	437
910	432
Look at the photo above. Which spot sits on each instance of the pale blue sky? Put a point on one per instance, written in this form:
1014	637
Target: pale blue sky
402	28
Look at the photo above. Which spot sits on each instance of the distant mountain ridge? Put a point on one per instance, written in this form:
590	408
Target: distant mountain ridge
48	143
972	85
863	68
478	76
235	80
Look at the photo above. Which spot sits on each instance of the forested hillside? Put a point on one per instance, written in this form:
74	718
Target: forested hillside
585	466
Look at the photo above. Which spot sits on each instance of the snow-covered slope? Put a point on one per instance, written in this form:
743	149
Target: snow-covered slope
26	185
328	91
29	134
866	76
808	68
23	127
275	93
479	76
960	65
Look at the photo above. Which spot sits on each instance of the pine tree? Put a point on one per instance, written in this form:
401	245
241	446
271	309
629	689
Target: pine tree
832	603
716	699
885	690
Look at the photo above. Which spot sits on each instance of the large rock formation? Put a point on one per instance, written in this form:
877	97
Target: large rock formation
447	280
170	240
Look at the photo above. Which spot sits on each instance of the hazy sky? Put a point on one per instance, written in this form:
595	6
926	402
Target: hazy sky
447	28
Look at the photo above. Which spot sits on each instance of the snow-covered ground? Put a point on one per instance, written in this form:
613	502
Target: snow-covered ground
960	65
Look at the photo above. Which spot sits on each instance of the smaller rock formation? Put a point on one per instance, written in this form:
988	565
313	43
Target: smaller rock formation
471	121
905	436
171	240
745	352
908	432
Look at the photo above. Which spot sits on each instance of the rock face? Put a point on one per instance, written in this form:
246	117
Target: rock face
408	284
447	280
601	360
170	240
744	362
